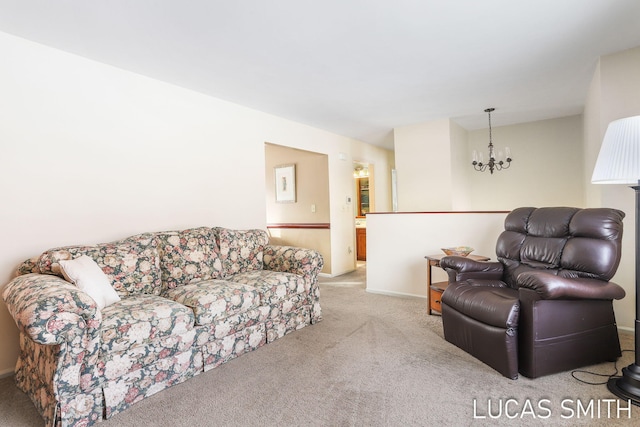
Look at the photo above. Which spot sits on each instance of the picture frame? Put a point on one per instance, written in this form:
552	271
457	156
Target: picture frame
285	180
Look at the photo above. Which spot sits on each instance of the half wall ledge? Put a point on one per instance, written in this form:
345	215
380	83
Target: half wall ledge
397	243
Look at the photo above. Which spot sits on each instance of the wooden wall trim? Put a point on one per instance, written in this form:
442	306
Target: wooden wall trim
300	225
439	212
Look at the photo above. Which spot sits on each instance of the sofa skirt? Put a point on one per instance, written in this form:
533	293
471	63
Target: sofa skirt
222	350
139	372
135	386
288	322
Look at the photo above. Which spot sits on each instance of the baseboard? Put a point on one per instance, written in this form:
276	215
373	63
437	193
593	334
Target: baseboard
626	329
6	373
394	294
330	276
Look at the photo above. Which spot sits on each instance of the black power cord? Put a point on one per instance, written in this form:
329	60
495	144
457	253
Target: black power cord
607	376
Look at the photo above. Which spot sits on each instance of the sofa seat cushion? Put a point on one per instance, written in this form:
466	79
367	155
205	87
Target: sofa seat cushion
139	319
273	286
213	300
487	301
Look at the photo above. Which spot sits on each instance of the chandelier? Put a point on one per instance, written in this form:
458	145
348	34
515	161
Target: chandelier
495	162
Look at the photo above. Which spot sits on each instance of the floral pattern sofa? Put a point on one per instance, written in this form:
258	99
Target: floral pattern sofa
190	300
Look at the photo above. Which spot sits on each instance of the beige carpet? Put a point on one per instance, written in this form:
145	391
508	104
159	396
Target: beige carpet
373	361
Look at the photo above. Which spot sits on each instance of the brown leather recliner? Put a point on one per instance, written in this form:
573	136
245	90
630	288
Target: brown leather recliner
546	305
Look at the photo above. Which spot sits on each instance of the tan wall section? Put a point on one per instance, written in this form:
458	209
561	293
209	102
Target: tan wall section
319	240
312	200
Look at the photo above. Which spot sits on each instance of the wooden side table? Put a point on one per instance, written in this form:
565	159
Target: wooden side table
435	290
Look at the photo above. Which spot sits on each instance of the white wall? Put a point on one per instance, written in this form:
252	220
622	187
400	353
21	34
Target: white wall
423	162
614	94
460	167
546	168
435	173
593	133
398	242
91	153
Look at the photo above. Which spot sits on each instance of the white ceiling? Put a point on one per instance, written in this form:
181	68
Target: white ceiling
354	67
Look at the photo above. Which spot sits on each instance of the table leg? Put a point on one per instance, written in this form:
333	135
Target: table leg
429	287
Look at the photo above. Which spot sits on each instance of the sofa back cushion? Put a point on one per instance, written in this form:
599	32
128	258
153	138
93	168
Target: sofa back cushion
241	250
569	242
88	276
133	267
28	266
188	255
150	263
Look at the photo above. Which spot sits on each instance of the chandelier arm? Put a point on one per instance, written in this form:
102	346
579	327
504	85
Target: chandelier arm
480	167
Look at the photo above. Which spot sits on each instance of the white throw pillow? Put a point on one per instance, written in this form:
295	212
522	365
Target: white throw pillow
89	277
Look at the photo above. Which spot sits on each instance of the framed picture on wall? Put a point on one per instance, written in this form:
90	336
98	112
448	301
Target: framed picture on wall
285	183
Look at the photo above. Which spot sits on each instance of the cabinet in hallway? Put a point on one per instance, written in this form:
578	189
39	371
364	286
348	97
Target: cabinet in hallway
361	244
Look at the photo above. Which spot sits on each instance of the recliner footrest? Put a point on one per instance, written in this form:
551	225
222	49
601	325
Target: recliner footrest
489	344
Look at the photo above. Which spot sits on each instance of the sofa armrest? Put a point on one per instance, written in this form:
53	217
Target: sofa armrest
550	286
460	268
51	310
290	259
306	262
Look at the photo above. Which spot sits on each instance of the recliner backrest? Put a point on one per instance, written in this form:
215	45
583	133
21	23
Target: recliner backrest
569	242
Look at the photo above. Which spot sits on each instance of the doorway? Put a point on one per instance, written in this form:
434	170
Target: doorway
365	203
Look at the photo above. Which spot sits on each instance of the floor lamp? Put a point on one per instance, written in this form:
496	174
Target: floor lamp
619	163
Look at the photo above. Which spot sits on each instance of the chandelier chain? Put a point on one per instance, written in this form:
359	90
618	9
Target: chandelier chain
489	110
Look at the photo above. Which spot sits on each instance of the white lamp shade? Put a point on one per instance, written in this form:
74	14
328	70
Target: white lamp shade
619	158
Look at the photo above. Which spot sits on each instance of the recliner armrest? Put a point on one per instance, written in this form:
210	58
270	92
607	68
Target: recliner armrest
460	268
550	286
